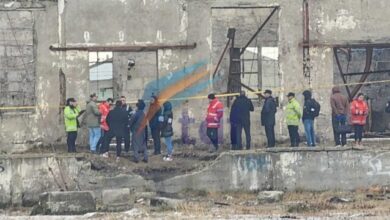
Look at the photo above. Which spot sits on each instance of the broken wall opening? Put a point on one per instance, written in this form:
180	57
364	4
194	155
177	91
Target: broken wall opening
259	66
353	64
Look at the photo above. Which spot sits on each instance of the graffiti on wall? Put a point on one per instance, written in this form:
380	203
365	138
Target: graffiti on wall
176	87
380	165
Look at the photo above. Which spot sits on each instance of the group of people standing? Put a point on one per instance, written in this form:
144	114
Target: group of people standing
106	121
344	114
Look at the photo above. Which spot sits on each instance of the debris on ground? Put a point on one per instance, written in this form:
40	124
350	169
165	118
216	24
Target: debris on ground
270	196
336	199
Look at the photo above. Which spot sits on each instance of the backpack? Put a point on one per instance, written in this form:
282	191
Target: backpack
314	108
387	107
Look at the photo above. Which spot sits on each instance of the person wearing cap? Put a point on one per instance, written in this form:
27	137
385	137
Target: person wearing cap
340	107
241	108
138	134
71	113
92	120
293	117
153	114
213	120
268	117
129	112
104	109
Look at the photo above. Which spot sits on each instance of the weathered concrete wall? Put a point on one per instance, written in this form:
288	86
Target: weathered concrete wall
78	22
313	170
24	177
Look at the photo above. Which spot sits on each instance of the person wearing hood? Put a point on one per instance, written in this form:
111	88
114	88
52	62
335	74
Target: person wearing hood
310	111
155	111
241	109
359	112
138	133
213	120
166	129
92	120
339	104
71	114
293	116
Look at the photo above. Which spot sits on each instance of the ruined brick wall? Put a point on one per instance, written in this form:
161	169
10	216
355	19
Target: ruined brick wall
17	60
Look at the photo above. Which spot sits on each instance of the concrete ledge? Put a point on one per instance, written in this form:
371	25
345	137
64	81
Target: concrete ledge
45	155
288	169
117	199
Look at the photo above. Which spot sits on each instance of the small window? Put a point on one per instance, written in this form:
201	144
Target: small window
101	74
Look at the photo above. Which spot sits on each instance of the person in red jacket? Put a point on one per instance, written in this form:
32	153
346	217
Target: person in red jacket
213	120
359	112
104	109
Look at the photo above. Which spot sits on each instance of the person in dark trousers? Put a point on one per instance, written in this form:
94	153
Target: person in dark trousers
129	112
242	106
154	124
308	118
71	113
233	118
268	117
213	120
166	121
138	134
359	112
293	117
339	104
117	122
104	109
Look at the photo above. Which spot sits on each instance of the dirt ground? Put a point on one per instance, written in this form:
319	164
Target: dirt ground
371	203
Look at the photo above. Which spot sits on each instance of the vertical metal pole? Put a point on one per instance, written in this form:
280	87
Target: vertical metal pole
306	49
259	67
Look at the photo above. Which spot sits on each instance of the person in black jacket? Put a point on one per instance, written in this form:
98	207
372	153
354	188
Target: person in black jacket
129	112
166	129
242	107
233	118
308	118
268	117
117	122
154	124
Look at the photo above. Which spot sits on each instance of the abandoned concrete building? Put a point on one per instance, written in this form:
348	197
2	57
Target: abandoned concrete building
51	50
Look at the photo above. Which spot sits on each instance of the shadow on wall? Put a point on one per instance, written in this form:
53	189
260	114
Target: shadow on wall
180	85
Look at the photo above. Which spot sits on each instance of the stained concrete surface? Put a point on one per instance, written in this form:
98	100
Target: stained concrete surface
311	169
68	23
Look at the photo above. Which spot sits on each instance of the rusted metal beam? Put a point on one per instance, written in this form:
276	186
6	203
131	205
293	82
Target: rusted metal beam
341	73
346	45
130	48
369	52
259	29
221	58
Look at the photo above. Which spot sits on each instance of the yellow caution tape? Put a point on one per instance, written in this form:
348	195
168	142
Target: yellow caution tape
281	89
